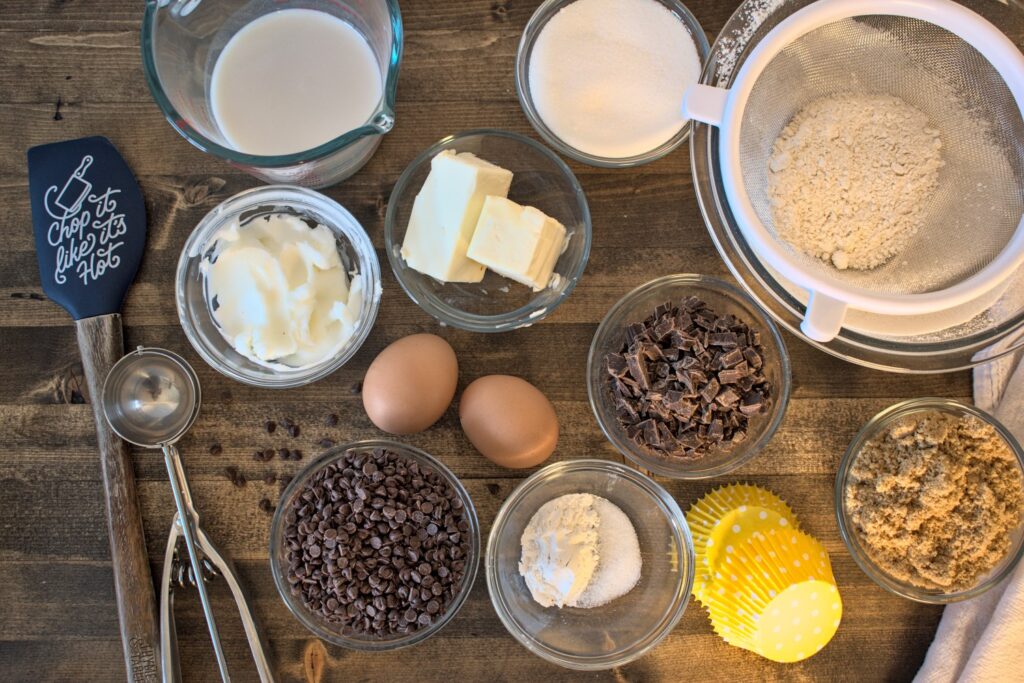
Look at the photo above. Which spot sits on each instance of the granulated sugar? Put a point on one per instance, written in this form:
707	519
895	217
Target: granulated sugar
851	176
608	76
618	550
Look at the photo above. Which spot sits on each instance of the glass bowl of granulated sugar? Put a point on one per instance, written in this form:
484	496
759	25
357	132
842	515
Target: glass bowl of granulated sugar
602	80
538	553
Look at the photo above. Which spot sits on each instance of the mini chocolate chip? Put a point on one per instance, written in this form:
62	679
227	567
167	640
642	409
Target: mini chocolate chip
270	426
216	449
331	420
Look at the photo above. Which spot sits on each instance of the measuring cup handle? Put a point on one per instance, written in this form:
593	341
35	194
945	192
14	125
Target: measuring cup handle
252	630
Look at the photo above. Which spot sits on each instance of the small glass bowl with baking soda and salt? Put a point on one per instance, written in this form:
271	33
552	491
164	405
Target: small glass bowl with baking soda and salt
627	615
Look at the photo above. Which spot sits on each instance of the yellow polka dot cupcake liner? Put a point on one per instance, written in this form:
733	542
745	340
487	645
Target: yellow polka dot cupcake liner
731	531
794	625
721	515
774	594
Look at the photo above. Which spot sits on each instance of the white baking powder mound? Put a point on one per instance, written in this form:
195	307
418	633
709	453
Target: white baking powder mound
608	76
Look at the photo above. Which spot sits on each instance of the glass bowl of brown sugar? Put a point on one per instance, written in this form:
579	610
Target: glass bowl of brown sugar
930	500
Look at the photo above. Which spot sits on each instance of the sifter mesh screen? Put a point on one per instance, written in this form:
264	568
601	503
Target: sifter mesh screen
980	198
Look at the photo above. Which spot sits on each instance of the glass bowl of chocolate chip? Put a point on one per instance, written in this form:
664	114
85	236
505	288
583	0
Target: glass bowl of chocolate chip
687	377
374	546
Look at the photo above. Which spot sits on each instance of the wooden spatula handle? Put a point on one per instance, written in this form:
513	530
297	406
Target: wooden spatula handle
101	345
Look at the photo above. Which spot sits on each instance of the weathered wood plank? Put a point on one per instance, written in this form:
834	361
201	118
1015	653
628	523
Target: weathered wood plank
59	619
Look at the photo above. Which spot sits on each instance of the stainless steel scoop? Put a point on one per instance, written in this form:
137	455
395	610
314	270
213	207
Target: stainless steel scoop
151	398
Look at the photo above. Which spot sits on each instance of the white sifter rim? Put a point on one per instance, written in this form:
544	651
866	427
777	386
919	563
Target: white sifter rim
723	108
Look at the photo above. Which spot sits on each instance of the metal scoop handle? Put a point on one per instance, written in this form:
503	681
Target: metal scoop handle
170	666
199	547
188	523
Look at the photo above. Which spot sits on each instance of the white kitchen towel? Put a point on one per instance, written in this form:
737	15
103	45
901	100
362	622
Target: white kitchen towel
982	640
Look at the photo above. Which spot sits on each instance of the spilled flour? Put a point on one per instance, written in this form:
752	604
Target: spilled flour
850	178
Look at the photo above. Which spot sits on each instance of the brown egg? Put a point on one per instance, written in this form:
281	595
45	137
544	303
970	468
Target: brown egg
509	421
410	384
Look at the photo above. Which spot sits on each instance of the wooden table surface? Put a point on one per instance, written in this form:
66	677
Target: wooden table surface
69	69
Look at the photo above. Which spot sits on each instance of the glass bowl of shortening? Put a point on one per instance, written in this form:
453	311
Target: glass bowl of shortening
589	564
487	231
278	287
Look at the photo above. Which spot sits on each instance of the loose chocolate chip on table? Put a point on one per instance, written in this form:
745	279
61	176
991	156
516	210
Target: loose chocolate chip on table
687	380
294	431
357	387
270	479
326	443
266	505
263	456
234	476
270	426
364	555
216	449
331	420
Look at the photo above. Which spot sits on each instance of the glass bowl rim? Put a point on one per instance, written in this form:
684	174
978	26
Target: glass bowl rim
449	315
346	226
781	401
380	122
473	558
872	428
655	493
533	29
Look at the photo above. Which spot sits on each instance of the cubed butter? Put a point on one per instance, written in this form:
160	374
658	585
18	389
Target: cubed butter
446	212
518	242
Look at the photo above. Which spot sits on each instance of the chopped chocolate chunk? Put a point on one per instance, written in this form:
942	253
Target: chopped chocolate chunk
616	365
638	370
710	390
727	397
731	358
724	339
729	376
687	380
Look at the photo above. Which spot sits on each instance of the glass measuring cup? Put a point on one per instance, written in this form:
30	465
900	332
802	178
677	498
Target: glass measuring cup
182	39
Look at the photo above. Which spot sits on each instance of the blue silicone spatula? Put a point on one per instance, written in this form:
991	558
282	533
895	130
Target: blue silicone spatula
89	222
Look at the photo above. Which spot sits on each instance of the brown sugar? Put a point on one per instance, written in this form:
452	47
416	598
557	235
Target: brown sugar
935	498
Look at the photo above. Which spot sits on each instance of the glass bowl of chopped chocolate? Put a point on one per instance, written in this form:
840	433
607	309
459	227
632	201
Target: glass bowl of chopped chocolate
930	500
374	546
687	377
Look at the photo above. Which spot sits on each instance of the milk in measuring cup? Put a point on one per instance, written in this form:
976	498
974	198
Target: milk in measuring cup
292	80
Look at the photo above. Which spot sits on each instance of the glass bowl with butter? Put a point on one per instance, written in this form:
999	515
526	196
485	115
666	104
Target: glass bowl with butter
277	287
487	231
